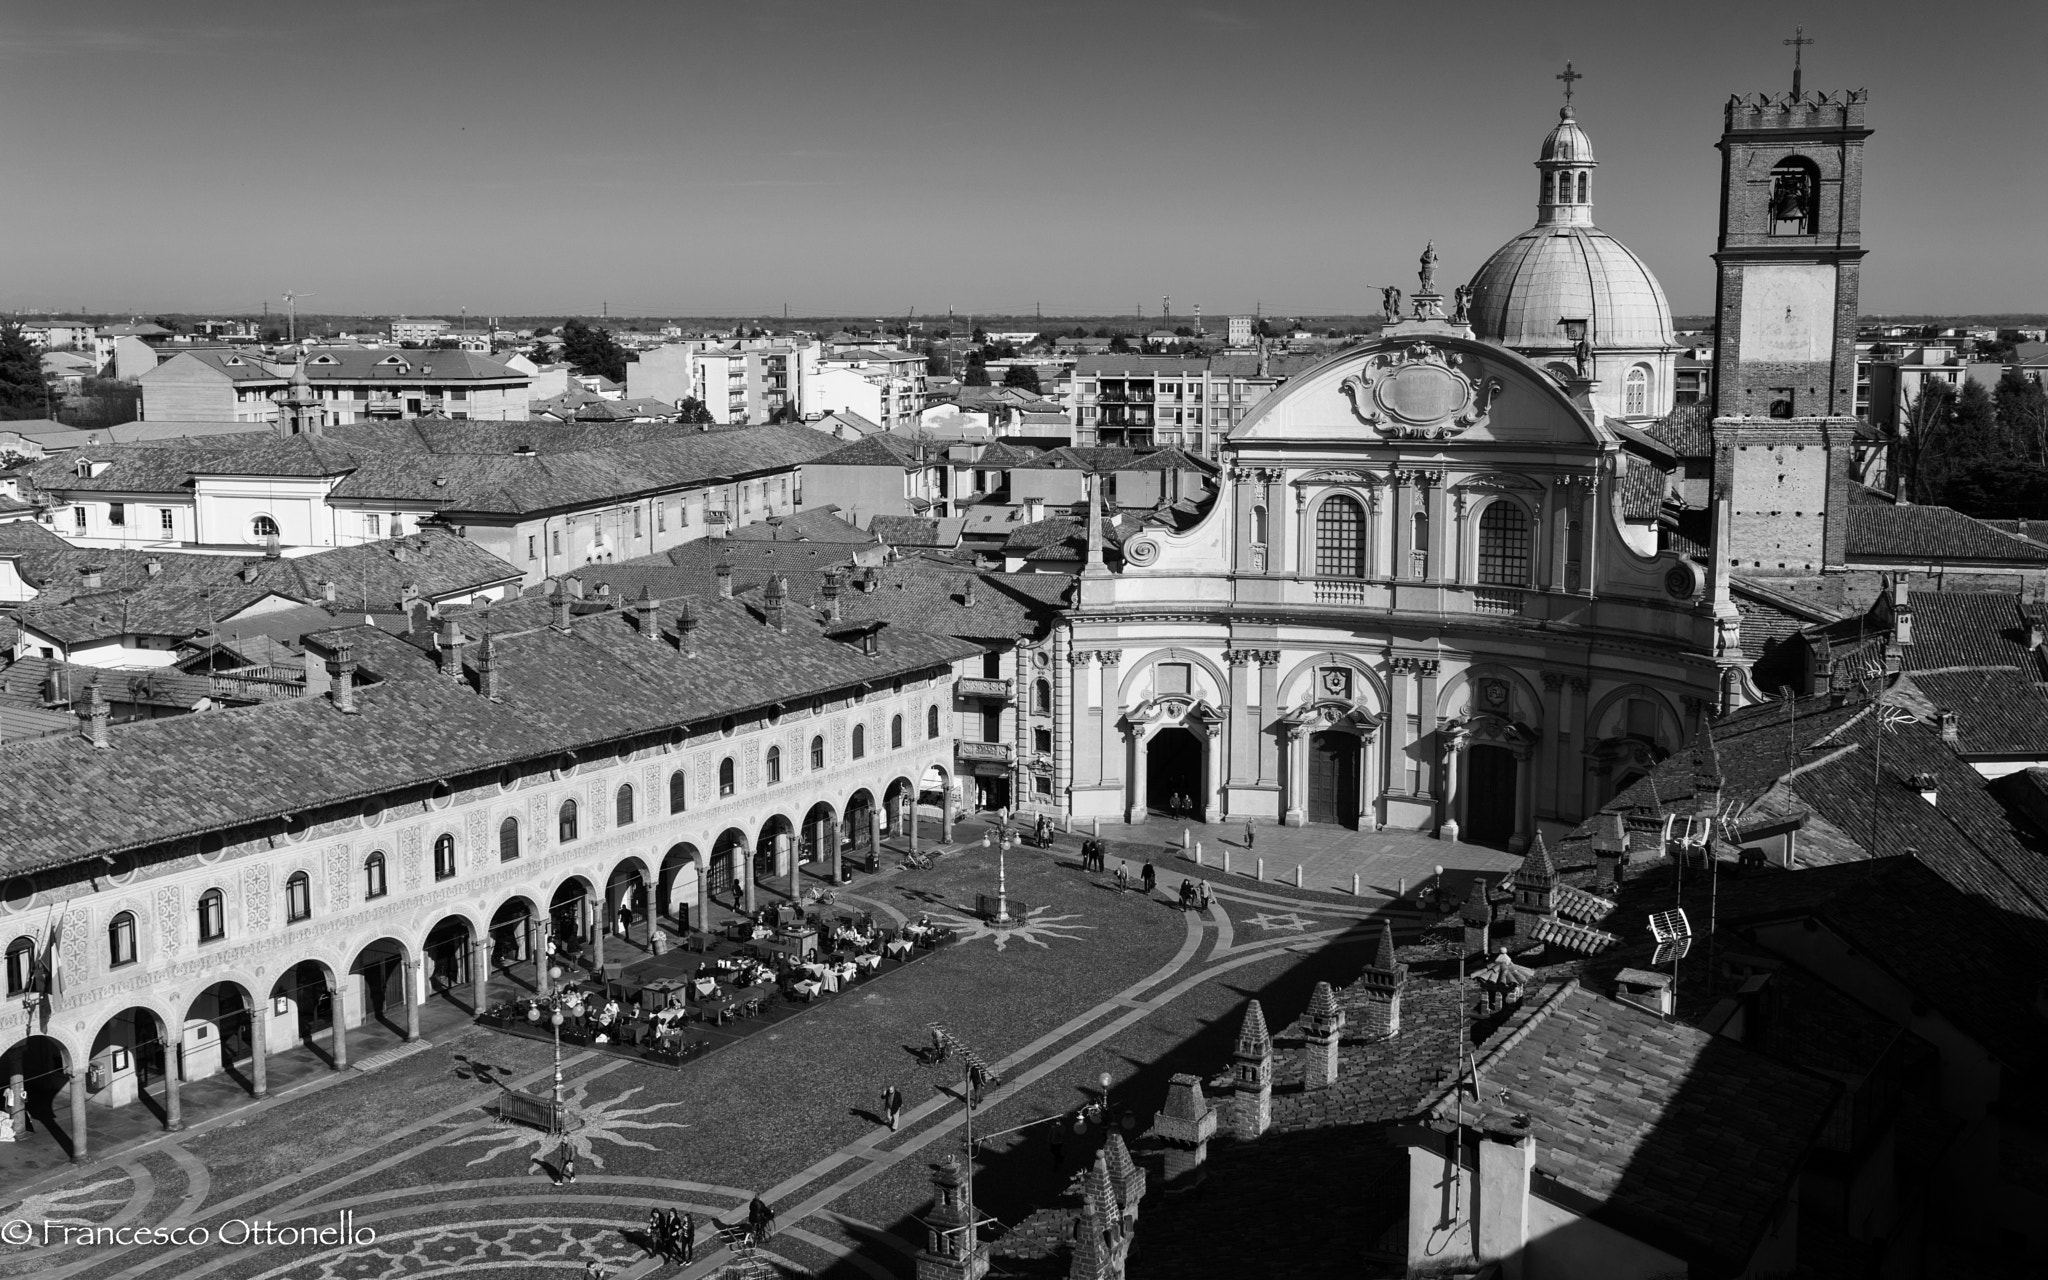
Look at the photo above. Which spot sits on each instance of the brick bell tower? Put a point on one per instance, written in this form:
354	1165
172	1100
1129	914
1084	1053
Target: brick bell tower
1789	264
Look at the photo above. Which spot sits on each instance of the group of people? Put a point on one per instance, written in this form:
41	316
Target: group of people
1180	804
673	1235
1194	895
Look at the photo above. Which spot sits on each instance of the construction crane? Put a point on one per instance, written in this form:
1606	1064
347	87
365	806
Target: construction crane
291	301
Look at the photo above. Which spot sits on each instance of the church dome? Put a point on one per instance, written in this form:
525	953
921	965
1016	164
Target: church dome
1564	267
1549	273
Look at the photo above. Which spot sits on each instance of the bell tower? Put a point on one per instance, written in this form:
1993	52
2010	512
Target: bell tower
1788	265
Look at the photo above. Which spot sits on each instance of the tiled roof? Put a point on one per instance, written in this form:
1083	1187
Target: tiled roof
881	450
1007	606
916	531
51	565
172	610
598	683
438	364
1674	1130
1002	456
817	524
26	683
2035	530
1998	711
1899	532
1573	937
1689	435
1642	490
373	575
1950	629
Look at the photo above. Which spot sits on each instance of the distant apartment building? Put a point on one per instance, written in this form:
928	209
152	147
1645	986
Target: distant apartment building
883	385
50	335
1188	401
740	382
1890	379
353	384
422	332
1240	331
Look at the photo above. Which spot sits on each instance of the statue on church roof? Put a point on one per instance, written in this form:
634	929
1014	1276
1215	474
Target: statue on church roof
1390	302
1428	272
1462	311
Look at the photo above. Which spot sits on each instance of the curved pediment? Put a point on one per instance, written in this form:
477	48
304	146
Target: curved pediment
1433	387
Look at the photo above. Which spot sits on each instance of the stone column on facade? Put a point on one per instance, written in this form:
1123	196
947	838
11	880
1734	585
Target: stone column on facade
594	928
1572	783
743	866
338	1026
412	1000
1293	774
1086	770
1278	552
1403	521
1546	536
1549	771
174	1066
1244	745
80	1148
1243	498
1269	706
537	949
1112	707
1379	549
1574	574
259	1050
1426	717
1437	531
1395	753
479	974
1453	569
1525	799
945	828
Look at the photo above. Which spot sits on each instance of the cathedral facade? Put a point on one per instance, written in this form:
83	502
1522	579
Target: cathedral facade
1414	602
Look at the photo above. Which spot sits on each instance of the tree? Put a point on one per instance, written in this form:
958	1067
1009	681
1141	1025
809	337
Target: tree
934	363
23	394
103	402
2023	413
1120	345
593	351
976	375
1023	376
692	411
1917	447
786	412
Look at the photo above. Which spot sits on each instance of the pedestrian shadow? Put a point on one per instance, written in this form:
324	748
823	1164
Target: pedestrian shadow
862	1113
468	1068
548	1167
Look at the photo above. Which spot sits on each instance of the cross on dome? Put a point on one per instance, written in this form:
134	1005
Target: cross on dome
1799	41
1568	76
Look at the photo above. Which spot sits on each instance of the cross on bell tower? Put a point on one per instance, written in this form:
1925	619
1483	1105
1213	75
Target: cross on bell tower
1568	76
1799	41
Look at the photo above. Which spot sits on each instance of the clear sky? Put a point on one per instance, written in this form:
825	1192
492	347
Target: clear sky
675	157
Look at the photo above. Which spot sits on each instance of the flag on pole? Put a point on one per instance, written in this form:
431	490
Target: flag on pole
50	981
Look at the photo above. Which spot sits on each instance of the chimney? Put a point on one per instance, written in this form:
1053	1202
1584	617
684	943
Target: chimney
686	629
558	605
647	615
1251	1077
450	645
1184	1126
1325	1020
91	577
604	590
1646	989
1948	727
2037	632
1381	983
271	549
398	551
967	591
1034	509
773	600
94	719
575	586
327	592
341	674
247	573
408	591
870	581
488	678
1506	1160
1535	882
1610	848
1929	791
724	572
153	567
1477	917
830	591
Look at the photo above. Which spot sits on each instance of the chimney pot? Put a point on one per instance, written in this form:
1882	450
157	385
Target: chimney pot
91	577
341	672
450	644
724	572
95	717
647	614
686	629
1948	726
154	567
559	607
327	591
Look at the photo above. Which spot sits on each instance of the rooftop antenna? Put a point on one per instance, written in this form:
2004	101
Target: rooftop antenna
291	300
1799	41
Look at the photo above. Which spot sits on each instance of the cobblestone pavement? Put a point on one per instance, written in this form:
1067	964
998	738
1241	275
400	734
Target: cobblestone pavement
408	1174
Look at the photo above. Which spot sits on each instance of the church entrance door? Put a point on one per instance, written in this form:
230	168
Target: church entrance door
1333	779
1489	794
1173	774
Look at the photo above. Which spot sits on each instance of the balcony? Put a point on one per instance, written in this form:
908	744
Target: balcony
985	752
973	687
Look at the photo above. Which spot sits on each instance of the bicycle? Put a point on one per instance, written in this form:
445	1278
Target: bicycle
921	861
820	897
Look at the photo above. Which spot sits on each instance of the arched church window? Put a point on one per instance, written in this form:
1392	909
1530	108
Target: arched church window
1258	526
1504	545
1582	187
1635	399
1795	196
1340	538
1418	548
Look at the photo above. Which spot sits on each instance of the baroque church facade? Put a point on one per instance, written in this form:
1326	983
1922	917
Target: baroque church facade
1415	602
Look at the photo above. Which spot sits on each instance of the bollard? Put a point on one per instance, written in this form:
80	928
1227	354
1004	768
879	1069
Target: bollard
1297	875
1198	853
1226	859
1095	827
1262	870
1186	838
1070	822
1401	891
1354	884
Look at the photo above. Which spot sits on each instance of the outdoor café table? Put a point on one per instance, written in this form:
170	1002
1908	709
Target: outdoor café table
899	947
808	988
868	960
842	971
706	987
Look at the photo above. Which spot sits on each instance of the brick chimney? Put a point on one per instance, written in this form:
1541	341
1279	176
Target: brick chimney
1645	989
1251	1077
953	1249
449	645
967	591
488	677
647	615
93	721
686	630
773	601
1325	1021
1184	1127
724	572
153	567
1535	885
1610	848
830	591
558	607
341	675
1948	727
1477	917
1380	984
91	577
1125	1176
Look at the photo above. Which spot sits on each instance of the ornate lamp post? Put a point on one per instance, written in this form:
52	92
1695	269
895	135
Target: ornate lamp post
556	1002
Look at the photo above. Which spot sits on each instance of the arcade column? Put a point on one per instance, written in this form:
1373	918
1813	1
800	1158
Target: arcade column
1112	736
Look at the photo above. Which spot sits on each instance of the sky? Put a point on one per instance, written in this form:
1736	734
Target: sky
659	157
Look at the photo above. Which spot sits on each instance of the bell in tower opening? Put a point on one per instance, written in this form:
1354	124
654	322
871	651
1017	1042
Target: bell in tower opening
1795	193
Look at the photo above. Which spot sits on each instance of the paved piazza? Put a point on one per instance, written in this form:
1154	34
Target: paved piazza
413	1177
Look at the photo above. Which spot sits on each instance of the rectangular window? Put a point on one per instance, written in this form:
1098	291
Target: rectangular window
78	517
1041	741
373	526
458	393
637	531
164	519
992	726
558	542
532	547
117	513
661	517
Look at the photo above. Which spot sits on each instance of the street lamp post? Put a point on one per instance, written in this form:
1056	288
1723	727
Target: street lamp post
556	1002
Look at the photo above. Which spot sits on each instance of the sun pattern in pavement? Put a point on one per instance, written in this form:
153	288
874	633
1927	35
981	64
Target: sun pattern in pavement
607	1121
1035	926
1287	922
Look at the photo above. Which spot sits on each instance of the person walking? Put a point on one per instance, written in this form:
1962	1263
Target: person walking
1123	875
1202	895
892	1105
568	1163
1247	837
658	1242
1149	876
682	1230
